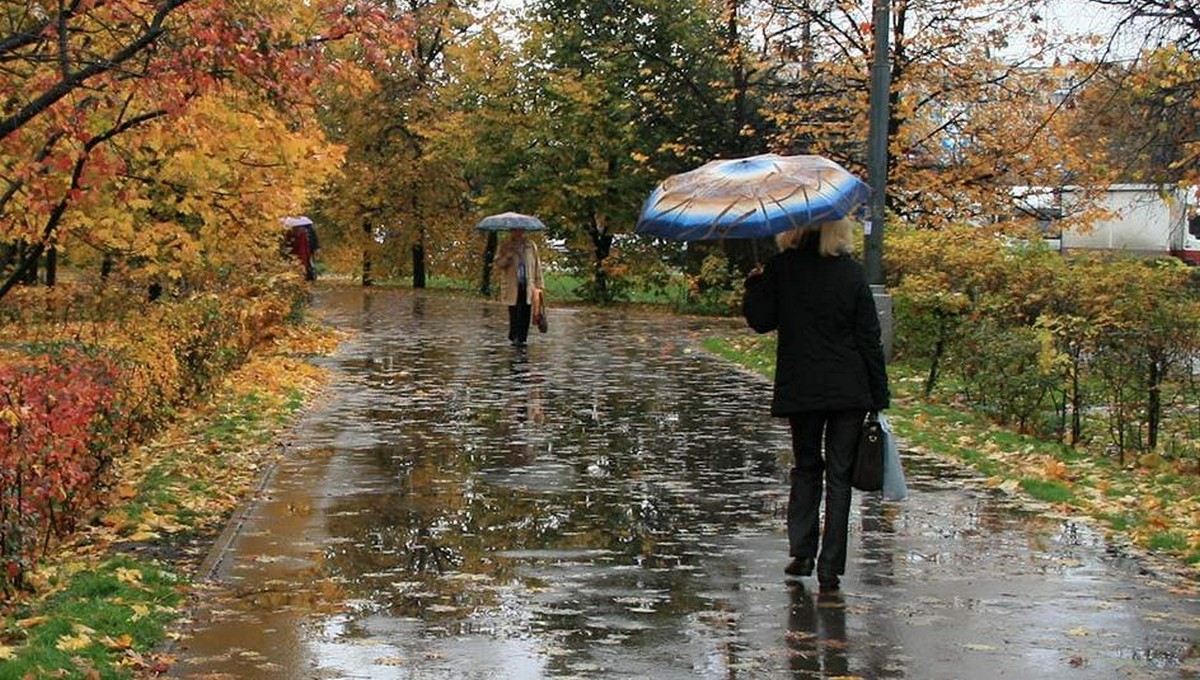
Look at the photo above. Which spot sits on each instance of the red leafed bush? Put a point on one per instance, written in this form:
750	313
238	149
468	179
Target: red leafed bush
53	412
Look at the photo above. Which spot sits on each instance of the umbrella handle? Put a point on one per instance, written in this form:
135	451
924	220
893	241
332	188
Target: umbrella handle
754	249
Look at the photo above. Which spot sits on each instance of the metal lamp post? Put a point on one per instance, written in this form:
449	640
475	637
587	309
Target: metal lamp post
877	168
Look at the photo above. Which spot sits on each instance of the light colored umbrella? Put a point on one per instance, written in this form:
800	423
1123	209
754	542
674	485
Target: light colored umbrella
507	221
750	198
296	221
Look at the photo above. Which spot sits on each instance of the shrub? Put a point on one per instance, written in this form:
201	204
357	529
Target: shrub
53	424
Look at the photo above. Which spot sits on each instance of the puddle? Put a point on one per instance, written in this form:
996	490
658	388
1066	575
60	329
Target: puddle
607	503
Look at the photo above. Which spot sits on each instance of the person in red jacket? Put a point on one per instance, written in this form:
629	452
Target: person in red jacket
301	241
829	372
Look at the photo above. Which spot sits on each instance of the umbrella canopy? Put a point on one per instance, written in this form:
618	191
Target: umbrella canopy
508	221
298	221
750	198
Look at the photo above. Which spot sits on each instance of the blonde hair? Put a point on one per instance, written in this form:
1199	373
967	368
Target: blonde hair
836	237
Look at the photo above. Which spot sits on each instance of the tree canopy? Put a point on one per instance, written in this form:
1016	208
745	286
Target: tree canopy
172	135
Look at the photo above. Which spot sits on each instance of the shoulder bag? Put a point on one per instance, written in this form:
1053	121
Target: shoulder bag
867	473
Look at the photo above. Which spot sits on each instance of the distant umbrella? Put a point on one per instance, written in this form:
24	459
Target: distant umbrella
509	221
750	198
297	221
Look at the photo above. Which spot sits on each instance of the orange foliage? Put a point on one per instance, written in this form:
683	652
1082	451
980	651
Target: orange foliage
172	134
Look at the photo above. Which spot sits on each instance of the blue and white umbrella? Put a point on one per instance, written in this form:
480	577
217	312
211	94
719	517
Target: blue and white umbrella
751	197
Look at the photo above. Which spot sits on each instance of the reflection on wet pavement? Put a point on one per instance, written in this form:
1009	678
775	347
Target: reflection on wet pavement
607	503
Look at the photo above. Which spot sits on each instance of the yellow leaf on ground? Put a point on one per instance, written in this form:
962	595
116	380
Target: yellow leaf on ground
7	653
131	576
122	642
1055	469
73	643
1150	460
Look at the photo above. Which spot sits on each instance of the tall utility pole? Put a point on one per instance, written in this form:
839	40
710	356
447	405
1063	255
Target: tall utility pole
877	143
877	167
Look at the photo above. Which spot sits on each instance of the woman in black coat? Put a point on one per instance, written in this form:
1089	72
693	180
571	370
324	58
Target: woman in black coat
829	372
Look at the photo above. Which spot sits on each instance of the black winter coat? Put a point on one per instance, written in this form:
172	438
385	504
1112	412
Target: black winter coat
829	356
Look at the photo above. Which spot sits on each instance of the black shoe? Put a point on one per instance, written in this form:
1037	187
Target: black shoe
800	566
829	582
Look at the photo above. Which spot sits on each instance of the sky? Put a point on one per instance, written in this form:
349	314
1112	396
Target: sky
1081	17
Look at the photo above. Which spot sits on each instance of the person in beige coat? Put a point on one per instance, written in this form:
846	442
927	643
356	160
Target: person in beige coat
520	272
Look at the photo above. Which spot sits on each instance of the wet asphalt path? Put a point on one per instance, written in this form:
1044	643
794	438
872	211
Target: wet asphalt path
607	503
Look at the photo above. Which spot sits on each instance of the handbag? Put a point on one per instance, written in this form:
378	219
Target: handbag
539	311
867	473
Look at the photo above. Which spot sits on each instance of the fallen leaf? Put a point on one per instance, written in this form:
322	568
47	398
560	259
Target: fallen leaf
32	621
121	642
73	643
142	535
130	576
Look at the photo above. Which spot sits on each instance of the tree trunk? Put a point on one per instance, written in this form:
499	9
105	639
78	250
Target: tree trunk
366	257
8	257
603	243
51	266
1154	404
1076	400
418	261
29	263
489	257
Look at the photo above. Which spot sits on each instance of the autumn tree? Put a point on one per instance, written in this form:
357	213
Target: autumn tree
1161	88
397	191
100	100
487	123
1156	23
627	94
970	99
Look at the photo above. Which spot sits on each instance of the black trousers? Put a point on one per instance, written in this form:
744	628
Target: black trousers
519	316
818	468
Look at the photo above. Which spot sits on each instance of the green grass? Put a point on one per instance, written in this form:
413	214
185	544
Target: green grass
293	402
758	357
155	490
1169	541
121	604
1048	490
1117	522
244	417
